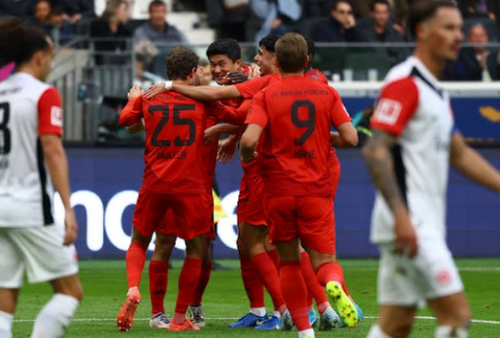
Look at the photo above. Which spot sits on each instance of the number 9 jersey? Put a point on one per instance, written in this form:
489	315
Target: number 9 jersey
28	108
175	128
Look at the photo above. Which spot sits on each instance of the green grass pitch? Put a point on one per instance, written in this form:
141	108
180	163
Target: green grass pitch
105	289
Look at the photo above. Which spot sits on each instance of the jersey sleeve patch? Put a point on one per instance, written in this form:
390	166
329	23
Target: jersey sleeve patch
50	113
397	104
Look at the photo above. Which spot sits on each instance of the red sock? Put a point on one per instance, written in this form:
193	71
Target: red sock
332	272
275	258
313	286
264	266
252	282
310	304
295	291
206	270
135	260
158	278
188	280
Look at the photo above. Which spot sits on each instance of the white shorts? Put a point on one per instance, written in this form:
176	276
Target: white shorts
430	275
38	251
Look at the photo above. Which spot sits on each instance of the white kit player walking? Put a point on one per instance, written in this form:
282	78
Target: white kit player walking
414	141
32	164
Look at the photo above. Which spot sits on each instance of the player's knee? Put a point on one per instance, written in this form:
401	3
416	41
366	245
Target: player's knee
399	330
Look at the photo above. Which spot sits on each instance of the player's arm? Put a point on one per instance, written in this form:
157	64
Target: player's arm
467	161
232	115
346	136
201	93
131	114
249	141
213	133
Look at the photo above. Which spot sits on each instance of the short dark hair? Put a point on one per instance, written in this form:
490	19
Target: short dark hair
334	3
424	10
203	63
19	42
269	42
156	3
180	62
229	47
291	52
379	2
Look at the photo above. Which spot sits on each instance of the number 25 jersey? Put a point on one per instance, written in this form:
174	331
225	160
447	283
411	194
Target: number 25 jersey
175	128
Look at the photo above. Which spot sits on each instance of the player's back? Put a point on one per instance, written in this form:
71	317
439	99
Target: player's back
174	138
28	107
297	138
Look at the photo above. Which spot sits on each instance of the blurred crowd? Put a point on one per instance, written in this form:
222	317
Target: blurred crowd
325	21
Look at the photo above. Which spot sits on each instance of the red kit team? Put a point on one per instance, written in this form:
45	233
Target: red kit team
284	117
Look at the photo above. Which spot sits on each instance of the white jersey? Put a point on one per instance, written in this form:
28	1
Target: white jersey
28	108
414	107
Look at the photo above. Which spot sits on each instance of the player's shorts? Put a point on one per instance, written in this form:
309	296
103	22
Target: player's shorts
188	212
38	251
409	282
250	201
309	218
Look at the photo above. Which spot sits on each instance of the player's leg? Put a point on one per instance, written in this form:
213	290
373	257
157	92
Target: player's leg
11	280
188	280
158	279
196	309
281	213
453	315
394	322
316	230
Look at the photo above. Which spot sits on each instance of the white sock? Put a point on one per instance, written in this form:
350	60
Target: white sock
55	316
449	332
309	333
376	332
258	311
277	314
6	324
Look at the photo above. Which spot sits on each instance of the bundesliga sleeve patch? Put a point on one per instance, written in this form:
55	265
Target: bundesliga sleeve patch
387	111
56	116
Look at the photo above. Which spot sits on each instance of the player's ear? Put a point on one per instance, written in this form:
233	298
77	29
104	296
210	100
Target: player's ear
38	57
308	59
238	63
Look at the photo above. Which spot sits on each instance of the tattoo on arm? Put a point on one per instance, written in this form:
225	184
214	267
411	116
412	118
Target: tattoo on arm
377	153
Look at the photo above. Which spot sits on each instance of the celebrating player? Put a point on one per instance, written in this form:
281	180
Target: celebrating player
30	144
173	184
296	114
414	141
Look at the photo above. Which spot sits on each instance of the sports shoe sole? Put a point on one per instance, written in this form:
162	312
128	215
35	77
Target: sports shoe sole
342	304
126	315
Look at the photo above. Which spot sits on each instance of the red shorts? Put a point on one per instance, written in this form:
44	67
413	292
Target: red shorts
188	212
309	218
250	203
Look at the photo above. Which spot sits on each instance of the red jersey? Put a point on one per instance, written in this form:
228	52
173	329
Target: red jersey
248	89
175	127
315	74
296	114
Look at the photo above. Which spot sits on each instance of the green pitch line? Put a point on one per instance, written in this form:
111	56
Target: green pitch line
105	289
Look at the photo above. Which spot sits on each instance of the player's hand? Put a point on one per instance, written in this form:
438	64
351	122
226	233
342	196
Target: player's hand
211	135
154	90
135	91
254	156
71	228
236	77
227	149
137	127
406	236
254	71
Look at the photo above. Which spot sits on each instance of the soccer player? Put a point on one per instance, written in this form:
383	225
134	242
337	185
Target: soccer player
414	141
173	184
30	145
295	115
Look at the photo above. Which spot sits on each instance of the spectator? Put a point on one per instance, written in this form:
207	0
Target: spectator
279	16
339	27
75	10
57	18
42	11
476	63
229	18
380	29
206	79
111	26
51	19
157	30
480	9
21	8
143	78
398	7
